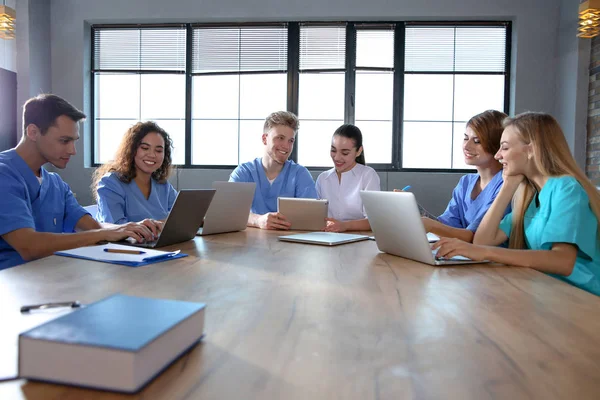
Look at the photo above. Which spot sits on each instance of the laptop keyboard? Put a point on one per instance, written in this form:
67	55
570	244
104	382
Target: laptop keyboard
455	258
134	242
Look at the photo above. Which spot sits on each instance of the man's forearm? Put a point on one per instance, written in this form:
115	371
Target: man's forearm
34	245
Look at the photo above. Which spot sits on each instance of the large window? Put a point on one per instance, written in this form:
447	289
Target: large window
139	74
239	77
451	74
409	87
321	90
374	90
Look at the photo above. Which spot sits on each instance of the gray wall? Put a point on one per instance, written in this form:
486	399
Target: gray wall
534	84
33	52
573	61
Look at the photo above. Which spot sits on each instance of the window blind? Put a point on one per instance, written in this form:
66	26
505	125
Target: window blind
240	49
375	48
140	49
322	47
455	49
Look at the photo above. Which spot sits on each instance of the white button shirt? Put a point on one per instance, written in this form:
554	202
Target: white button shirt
344	197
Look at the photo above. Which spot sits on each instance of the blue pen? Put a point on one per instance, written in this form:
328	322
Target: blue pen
406	188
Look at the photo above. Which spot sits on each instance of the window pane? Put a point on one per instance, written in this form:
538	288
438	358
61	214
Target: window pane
322	47
480	48
216	49
427	145
264	48
262	94
162	96
428	97
458	157
215	96
108	135
251	145
214	142
477	93
321	96
176	130
140	49
375	48
374	95
163	49
117	49
429	49
457	48
117	96
314	142
235	49
377	141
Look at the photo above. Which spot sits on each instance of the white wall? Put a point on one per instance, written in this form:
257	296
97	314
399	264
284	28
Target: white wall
534	68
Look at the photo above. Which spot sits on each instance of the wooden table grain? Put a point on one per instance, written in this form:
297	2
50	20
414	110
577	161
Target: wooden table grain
295	321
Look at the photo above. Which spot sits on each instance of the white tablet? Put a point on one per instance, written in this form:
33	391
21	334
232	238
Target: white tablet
324	238
304	214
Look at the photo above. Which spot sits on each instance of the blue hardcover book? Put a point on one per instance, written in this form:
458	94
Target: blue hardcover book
119	343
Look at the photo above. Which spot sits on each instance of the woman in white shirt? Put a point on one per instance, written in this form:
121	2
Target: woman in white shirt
342	184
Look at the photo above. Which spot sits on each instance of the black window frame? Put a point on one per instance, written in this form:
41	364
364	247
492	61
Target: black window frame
293	73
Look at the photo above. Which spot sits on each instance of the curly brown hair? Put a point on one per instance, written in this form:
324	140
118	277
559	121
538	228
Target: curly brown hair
124	164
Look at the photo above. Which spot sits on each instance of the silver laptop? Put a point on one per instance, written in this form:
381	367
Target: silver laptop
184	219
304	214
229	209
396	223
324	238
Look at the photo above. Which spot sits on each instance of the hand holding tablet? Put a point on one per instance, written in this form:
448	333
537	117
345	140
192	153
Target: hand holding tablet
303	214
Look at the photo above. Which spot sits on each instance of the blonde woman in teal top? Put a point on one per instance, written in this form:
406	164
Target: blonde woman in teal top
553	227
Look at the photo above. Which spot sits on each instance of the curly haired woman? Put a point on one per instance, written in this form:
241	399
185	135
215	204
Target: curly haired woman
134	187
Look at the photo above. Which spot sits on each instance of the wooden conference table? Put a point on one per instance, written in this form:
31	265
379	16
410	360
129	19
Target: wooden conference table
294	321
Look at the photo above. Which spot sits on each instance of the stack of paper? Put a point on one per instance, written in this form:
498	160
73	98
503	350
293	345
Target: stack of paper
120	254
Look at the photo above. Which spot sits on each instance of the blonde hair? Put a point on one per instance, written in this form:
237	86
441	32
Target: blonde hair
283	118
552	157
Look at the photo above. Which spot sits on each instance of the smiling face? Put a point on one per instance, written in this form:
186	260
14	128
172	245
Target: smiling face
57	145
473	150
343	153
279	143
150	153
514	154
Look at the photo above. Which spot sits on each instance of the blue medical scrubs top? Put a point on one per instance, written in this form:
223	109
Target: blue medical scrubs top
293	181
25	203
120	202
466	213
564	216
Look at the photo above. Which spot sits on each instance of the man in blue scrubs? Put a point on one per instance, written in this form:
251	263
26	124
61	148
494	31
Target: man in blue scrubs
38	212
274	174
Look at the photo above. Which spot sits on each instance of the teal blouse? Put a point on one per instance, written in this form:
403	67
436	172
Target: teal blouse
562	214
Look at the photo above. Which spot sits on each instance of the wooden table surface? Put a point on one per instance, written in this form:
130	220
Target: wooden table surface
295	321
